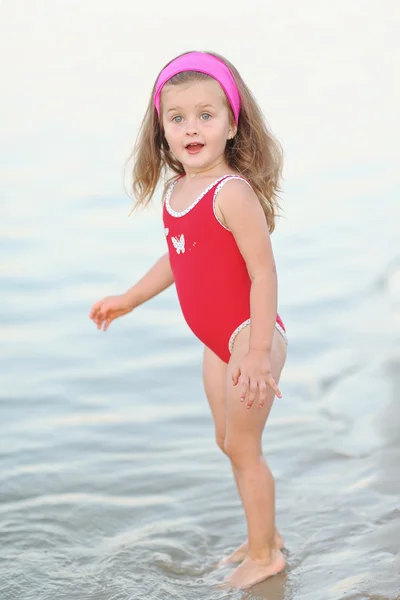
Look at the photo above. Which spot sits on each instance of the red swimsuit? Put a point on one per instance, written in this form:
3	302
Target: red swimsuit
210	274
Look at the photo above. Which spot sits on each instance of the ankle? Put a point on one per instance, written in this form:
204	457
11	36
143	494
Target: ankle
263	556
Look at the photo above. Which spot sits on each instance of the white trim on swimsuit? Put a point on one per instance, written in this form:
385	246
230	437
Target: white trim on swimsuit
182	213
247	322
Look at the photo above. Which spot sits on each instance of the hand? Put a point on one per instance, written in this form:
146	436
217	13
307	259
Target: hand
254	376
108	309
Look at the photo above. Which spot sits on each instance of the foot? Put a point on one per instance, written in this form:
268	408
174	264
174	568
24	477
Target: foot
236	557
240	553
251	572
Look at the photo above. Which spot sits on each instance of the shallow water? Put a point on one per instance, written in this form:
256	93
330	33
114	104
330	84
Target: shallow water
111	486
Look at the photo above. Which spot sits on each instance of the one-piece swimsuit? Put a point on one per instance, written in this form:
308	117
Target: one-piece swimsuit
210	274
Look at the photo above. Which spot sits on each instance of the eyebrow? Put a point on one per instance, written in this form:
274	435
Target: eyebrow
174	108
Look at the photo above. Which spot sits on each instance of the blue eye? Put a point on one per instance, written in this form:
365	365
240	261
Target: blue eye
177	119
205	116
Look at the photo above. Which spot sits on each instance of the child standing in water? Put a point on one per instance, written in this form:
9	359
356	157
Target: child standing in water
203	126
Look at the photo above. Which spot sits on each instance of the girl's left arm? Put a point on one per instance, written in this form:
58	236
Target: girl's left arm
244	217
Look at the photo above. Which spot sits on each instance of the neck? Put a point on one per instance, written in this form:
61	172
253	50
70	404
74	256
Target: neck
196	172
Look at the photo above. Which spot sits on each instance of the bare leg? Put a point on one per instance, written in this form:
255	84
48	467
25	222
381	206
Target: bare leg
214	378
243	446
241	552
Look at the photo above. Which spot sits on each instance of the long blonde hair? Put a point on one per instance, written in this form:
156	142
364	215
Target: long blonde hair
254	152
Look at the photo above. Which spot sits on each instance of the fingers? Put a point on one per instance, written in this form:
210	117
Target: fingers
107	324
235	376
262	394
243	386
272	384
257	390
95	309
253	390
100	317
104	320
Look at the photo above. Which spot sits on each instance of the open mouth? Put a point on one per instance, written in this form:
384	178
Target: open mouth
194	147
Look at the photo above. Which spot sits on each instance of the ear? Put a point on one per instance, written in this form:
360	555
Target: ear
232	132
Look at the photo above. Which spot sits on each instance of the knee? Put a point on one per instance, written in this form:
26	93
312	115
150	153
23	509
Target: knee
231	450
241	455
220	440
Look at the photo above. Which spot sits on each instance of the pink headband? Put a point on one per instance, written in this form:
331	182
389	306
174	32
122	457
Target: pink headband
203	63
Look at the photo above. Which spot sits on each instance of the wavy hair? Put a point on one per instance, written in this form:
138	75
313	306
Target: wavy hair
254	152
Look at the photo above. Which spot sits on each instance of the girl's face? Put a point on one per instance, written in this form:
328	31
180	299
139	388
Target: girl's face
197	123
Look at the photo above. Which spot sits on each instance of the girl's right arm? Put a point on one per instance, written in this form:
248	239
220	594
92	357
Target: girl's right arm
157	279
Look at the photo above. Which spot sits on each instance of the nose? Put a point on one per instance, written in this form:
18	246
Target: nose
192	128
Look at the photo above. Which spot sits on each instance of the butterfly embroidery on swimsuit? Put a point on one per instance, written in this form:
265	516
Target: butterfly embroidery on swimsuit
179	243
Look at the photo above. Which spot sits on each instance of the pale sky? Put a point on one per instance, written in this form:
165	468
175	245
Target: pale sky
76	77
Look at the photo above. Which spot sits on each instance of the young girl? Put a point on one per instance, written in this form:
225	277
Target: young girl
203	126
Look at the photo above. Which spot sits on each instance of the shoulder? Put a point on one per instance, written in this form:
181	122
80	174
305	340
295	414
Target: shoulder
238	207
169	186
235	191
